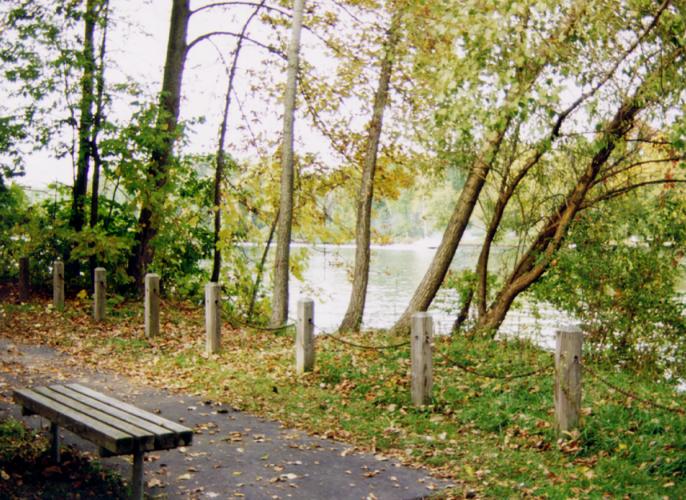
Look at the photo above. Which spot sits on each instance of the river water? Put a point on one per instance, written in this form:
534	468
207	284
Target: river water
395	272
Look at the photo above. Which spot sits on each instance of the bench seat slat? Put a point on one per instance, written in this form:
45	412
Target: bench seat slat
164	438
114	440
143	438
184	434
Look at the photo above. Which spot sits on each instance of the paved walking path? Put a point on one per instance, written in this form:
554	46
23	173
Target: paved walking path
234	455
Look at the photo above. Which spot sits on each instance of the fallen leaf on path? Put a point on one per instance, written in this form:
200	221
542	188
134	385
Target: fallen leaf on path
155	483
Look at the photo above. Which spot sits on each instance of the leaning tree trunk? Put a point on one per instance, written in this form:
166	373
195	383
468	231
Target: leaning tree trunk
536	260
434	276
528	73
220	162
170	99
283	235
353	316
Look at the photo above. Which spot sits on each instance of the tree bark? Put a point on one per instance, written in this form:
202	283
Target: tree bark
283	236
79	191
167	121
537	259
353	316
220	162
97	123
432	280
527	74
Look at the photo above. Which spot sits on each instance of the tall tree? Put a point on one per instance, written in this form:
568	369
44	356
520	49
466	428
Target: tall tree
353	316
285	221
517	62
98	119
162	154
85	128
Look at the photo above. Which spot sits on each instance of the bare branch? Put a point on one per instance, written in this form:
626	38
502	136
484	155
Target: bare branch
249	4
268	48
625	189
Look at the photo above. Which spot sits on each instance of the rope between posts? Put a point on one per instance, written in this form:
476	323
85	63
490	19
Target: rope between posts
469	369
336	338
261	328
368	347
630	394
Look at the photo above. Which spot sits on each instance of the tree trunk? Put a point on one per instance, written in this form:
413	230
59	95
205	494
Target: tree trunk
220	165
527	74
97	122
353	316
170	99
283	236
79	191
537	259
432	280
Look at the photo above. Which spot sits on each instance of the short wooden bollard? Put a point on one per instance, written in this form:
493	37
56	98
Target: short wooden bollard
152	305
99	294
24	279
213	317
568	378
58	285
304	337
422	367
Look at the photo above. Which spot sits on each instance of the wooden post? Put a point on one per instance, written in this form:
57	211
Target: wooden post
422	368
304	337
152	305
213	317
58	285
568	378
24	279
99	294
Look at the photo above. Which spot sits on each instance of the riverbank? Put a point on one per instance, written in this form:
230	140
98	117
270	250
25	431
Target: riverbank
488	429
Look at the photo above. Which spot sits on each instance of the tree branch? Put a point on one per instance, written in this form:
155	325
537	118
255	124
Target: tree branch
268	48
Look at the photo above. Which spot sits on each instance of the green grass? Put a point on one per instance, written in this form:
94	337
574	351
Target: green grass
495	436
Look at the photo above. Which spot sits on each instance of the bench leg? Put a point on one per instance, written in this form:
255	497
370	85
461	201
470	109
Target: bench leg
55	444
137	476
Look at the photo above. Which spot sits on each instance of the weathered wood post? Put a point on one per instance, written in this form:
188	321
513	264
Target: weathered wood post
152	305
213	317
568	378
422	367
304	337
24	279
99	295
58	285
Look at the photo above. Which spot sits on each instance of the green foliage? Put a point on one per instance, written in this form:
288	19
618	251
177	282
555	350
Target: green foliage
13	214
621	275
184	239
18	443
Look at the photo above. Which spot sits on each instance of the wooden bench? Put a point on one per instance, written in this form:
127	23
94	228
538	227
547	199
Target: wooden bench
117	428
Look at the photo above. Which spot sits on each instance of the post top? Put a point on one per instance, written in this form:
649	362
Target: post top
421	315
569	328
